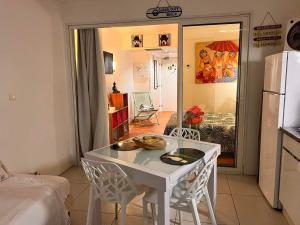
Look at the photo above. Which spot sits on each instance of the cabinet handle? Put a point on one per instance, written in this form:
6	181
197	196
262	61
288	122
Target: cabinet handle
288	151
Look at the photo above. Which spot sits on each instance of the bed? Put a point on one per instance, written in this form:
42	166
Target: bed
33	199
215	127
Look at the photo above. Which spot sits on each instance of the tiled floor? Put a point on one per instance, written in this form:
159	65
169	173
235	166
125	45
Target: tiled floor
239	201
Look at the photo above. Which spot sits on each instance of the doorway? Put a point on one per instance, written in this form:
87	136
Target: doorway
145	69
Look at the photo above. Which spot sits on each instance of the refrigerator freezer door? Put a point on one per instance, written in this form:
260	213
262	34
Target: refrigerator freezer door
275	73
292	99
270	146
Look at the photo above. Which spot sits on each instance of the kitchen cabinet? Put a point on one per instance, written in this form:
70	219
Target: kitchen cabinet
289	193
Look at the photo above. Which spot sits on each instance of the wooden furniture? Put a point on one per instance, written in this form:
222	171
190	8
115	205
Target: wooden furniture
145	167
289	193
118	118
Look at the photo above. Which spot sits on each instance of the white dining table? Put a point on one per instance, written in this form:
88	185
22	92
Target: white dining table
145	167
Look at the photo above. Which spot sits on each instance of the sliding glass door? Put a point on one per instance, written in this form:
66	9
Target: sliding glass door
212	85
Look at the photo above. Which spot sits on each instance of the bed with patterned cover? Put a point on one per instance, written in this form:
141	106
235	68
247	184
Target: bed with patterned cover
215	128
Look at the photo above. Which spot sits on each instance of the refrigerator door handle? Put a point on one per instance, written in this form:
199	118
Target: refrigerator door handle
273	93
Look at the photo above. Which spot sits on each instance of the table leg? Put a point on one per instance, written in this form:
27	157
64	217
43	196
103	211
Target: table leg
212	186
94	209
163	208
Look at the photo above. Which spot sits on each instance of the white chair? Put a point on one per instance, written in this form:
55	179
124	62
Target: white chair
186	195
186	133
109	183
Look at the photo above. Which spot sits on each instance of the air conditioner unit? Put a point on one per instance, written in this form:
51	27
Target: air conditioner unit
292	42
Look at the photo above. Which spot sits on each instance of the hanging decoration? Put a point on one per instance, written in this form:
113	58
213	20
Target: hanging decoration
267	34
164	11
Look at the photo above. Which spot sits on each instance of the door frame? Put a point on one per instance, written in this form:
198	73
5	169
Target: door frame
243	18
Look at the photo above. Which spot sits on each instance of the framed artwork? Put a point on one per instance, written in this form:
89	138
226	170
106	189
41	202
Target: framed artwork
216	62
137	40
141	71
164	40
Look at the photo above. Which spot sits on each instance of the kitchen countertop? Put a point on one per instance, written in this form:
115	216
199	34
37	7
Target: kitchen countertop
292	132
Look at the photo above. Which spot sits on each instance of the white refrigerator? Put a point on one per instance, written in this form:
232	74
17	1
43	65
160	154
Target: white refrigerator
280	108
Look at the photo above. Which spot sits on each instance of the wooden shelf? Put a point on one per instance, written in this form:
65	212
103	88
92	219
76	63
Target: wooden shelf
118	118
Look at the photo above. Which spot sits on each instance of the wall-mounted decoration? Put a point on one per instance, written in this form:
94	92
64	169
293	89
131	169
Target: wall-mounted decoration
172	68
216	62
267	34
164	40
108	62
137	40
140	71
164	12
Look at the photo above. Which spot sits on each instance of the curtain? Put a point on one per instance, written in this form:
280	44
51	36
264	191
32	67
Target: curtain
91	92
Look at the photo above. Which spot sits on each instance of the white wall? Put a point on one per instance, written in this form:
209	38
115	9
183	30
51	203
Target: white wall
35	128
169	85
123	74
94	11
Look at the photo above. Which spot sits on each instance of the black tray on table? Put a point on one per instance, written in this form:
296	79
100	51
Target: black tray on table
182	156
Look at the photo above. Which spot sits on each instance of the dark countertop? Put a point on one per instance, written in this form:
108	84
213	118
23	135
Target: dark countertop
292	132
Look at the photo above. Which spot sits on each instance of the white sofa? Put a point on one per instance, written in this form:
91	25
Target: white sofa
33	200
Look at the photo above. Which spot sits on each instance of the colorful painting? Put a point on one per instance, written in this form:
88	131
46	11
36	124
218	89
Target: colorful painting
216	62
164	40
137	40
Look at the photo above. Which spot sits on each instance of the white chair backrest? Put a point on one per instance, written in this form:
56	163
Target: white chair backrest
110	182
141	98
186	133
198	186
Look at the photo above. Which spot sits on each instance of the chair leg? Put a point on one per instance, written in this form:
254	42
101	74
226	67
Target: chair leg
153	210
195	214
94	207
123	214
180	217
210	208
145	209
116	211
156	119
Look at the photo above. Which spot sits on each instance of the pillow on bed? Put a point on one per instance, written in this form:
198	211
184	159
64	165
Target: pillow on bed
4	174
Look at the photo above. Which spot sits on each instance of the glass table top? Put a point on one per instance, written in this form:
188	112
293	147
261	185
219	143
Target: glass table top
150	159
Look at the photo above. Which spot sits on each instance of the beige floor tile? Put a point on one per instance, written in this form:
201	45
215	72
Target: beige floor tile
222	184
192	223
76	189
255	210
75	175
134	209
225	212
245	185
82	202
79	218
131	220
